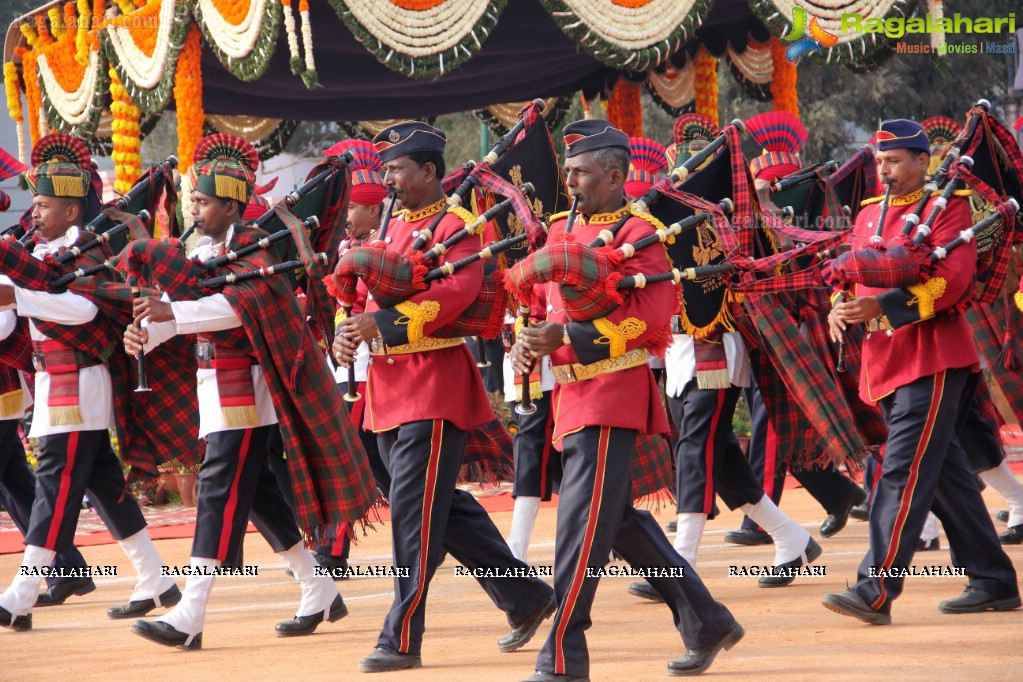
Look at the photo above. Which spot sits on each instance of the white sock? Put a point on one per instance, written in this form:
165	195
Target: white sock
20	596
689	534
930	531
790	539
190	613
149	583
523	520
318	591
1008	486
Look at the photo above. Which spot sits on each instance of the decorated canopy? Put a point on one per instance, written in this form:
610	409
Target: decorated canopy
260	65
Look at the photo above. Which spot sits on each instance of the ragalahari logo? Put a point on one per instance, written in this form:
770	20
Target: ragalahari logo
806	36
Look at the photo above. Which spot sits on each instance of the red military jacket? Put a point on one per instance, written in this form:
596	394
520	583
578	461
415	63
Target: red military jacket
929	335
628	398
435	384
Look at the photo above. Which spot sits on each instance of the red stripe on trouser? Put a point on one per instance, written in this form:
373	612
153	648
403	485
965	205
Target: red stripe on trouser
914	476
710	451
60	504
429	493
337	548
232	499
580	570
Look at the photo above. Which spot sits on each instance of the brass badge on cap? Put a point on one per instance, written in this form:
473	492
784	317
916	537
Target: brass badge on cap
394	136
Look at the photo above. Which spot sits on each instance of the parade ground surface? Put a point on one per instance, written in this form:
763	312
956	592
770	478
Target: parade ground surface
789	635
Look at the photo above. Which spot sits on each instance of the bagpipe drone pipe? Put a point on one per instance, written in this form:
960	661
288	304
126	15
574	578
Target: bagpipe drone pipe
526	153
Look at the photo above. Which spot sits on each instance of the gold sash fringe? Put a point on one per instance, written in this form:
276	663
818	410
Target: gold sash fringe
10	403
240	417
712	379
65	415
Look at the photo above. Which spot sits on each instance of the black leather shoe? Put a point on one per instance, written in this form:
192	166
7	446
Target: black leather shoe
932	545
16	623
1002	515
974	600
812	551
165	634
837	520
523	632
58	594
860	512
384	660
1013	536
306	625
749	536
671	527
695	661
646	591
141	607
541	676
850	603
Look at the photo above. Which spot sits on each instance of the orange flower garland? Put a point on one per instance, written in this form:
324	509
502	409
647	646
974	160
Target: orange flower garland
33	97
233	11
188	97
783	83
705	83
625	108
126	136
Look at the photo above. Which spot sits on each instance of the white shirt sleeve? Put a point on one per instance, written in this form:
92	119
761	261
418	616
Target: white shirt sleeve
158	333
8	323
209	314
67	308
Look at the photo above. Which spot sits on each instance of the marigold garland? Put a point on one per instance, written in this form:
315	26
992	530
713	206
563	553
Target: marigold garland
783	82
33	97
289	28
625	108
13	88
126	128
56	25
188	96
706	84
82	34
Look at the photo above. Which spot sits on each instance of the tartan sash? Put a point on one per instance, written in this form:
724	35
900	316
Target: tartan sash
711	363
62	364
234	382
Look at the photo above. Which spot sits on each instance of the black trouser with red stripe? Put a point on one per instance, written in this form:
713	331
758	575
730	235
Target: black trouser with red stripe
428	516
708	456
234	481
924	469
827	485
595	515
537	464
18	491
71	464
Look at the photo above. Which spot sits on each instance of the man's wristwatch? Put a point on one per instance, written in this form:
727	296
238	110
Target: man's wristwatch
565	339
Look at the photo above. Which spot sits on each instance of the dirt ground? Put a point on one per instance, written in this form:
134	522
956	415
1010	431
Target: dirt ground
789	635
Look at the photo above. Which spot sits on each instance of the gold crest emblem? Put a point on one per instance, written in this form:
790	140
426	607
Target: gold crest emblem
394	136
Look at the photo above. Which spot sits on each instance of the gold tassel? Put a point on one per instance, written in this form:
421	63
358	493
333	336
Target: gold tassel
712	379
10	403
68	185
243	417
65	415
535	391
231	188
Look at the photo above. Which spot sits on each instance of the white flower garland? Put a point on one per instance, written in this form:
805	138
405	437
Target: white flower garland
77	107
676	90
143	70
236	41
423	33
632	28
754	64
289	29
307	40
